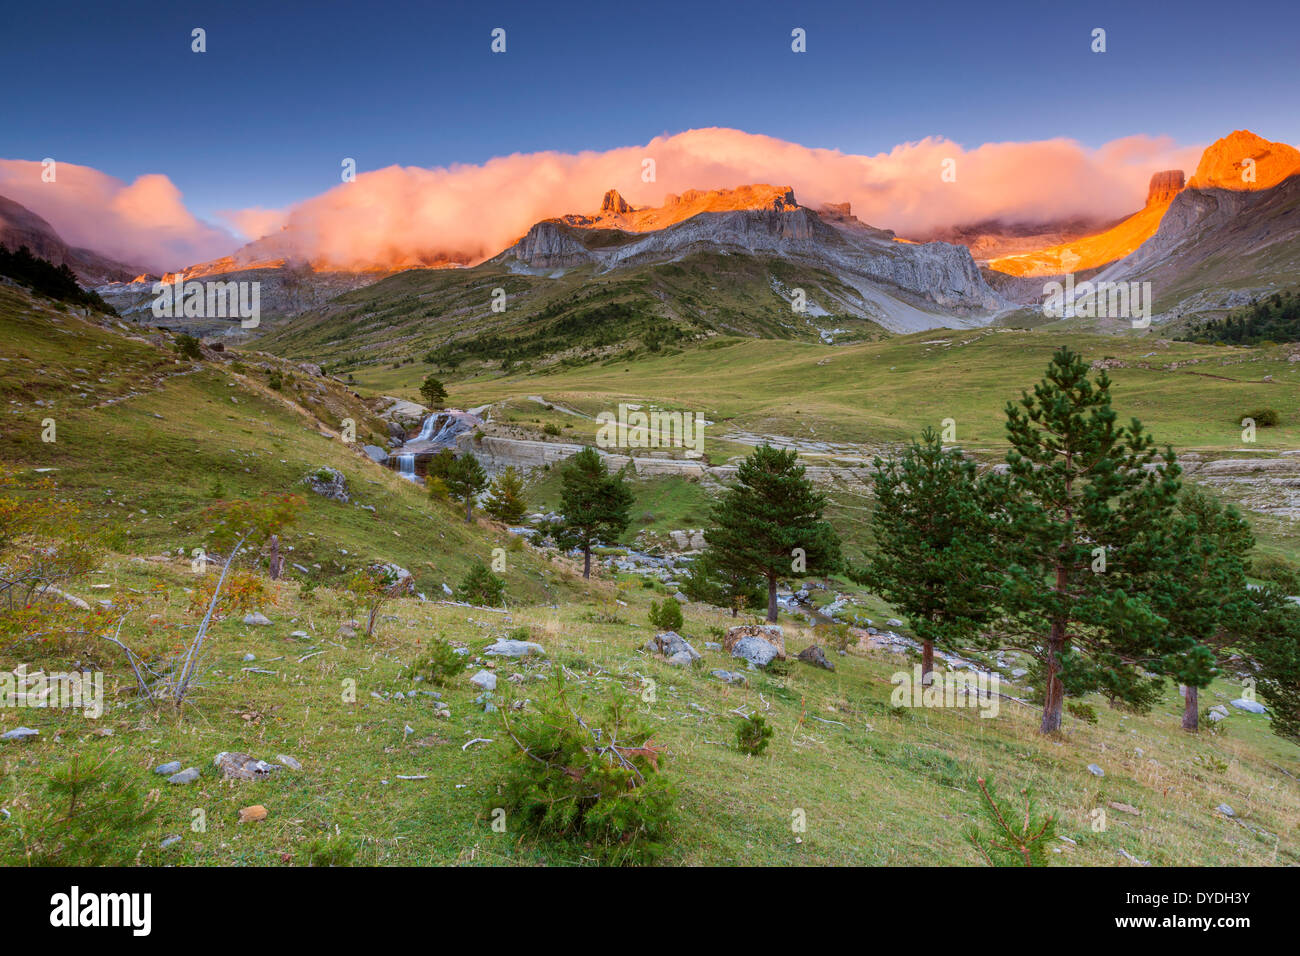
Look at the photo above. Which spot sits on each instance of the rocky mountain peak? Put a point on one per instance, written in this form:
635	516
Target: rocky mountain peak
1165	185
1243	161
614	204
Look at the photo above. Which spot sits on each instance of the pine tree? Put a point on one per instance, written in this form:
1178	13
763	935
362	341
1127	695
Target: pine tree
433	392
466	478
770	524
1201	592
933	560
505	500
1082	525
1273	638
481	586
729	587
596	504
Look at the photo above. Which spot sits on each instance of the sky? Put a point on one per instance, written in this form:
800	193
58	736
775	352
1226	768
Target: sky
286	90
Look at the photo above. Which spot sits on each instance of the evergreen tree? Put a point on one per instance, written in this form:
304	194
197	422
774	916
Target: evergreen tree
933	560
1273	639
505	500
730	587
1082	525
770	523
1201	592
596	504
465	478
481	586
433	392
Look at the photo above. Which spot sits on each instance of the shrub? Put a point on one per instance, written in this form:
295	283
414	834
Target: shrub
331	851
91	814
439	664
587	771
666	616
188	347
481	586
549	429
1264	417
1275	568
1081	711
752	735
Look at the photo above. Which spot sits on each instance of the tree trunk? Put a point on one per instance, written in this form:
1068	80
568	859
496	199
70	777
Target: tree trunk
1054	691
586	560
927	662
1190	708
469	510
277	562
771	599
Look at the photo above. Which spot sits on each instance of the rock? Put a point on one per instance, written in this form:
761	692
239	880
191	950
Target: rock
237	766
683	658
1124	808
1095	770
893	622
770	633
169	841
256	618
507	648
328	483
1018	672
1250	706
167	769
755	650
1164	186
252	814
712	646
484	679
19	733
816	656
375	453
188	775
250	657
345	631
730	677
681	598
400	579
288	762
1225	810
671	644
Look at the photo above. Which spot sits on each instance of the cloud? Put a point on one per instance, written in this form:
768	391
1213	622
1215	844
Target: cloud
407	215
144	224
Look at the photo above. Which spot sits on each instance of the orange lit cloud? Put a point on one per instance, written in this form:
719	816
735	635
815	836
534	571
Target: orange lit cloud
404	215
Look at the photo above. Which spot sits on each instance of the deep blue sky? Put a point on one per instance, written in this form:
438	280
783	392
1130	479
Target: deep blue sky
287	89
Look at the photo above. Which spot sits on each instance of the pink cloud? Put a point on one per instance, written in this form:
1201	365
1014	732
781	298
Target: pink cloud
403	214
143	224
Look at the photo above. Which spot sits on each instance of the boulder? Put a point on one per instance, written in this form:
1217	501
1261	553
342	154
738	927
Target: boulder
755	650
19	733
506	648
816	656
671	645
1250	706
169	768
257	618
375	453
328	483
770	633
484	679
188	775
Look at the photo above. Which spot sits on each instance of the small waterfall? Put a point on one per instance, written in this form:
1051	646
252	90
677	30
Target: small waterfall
406	467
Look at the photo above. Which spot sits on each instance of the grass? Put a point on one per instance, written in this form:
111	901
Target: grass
877	785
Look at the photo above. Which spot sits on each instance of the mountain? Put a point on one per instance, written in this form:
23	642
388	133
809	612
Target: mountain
1231	235
902	285
1099	248
19	226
